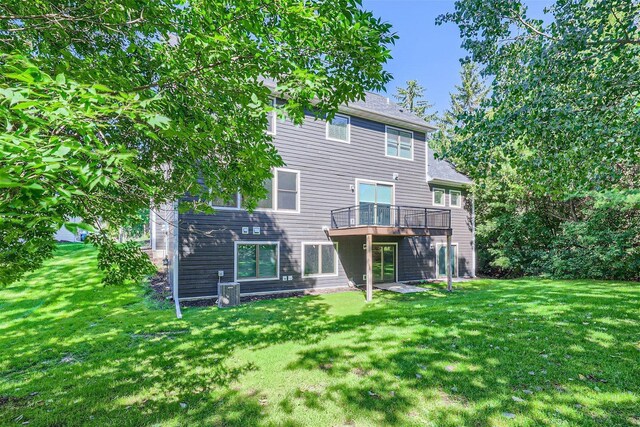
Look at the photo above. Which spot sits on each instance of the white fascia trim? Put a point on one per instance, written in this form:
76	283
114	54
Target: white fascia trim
439	181
383	118
371	115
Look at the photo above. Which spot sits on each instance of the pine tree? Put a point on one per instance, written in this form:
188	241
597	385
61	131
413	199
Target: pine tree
412	98
466	99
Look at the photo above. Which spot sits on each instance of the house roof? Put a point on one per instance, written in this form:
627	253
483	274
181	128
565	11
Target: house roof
375	107
443	171
383	106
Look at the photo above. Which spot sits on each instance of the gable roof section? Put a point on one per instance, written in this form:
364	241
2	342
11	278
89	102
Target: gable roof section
442	171
379	108
383	106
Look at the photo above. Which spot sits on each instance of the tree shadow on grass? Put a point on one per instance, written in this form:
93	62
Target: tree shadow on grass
101	355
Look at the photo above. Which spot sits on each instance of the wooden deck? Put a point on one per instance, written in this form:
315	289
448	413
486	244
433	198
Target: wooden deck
378	230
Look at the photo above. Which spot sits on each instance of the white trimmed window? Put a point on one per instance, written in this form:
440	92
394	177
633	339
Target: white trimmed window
319	259
339	128
455	198
220	203
438	197
283	191
257	260
271	118
399	143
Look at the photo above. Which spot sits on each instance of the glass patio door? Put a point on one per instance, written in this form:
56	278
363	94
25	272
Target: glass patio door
374	201
384	263
442	256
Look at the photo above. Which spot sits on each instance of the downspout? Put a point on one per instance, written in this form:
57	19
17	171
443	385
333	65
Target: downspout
473	230
176	258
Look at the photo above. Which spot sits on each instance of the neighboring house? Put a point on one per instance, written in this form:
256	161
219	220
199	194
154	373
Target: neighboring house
365	176
64	235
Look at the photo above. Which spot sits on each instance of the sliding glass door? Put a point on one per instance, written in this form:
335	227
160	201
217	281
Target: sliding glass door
442	256
374	201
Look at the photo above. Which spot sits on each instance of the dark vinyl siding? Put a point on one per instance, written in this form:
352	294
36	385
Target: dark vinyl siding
327	170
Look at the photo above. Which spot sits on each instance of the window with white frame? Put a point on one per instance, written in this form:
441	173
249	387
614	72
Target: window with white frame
339	128
455	198
257	260
283	191
320	259
232	203
399	143
271	118
438	197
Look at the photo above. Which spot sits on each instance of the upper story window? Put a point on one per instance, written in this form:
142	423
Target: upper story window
399	143
271	118
339	128
455	198
220	203
438	197
283	191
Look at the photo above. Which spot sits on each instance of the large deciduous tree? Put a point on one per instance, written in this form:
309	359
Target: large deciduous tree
565	92
109	105
555	153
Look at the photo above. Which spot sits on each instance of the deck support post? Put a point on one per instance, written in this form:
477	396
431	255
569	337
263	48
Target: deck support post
369	267
448	262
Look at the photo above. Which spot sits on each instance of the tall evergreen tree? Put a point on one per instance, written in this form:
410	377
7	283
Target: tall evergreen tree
412	98
464	101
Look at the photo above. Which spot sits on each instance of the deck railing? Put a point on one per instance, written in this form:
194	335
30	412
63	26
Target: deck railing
374	214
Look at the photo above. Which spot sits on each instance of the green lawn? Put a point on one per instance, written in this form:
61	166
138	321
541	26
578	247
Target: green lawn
523	352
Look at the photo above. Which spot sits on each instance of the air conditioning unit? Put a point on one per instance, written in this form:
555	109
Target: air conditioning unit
228	294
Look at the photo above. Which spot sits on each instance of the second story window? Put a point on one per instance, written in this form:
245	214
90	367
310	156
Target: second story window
399	143
438	197
283	191
271	118
233	203
339	128
455	199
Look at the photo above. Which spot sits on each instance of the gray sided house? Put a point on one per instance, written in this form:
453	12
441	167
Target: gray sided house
366	176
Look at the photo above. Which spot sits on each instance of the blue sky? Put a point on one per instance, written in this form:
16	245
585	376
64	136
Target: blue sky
426	52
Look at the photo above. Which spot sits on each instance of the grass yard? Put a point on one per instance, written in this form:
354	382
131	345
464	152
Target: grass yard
523	352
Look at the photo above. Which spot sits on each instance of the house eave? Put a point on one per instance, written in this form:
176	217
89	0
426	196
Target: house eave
384	118
449	182
372	115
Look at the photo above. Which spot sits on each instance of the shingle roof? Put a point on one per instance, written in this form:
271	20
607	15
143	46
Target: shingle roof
443	170
382	105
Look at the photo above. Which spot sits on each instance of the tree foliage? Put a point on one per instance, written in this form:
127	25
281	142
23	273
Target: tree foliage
111	105
565	93
465	100
555	149
412	98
